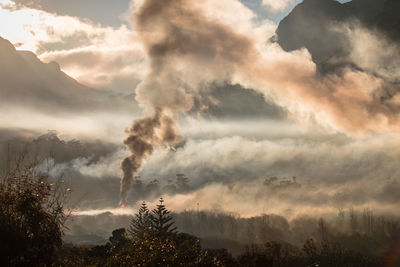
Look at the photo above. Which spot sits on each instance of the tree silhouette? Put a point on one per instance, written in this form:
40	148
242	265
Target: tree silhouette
31	217
162	221
141	224
161	245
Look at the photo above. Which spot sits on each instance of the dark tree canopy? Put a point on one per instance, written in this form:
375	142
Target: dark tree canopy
141	223
162	221
155	242
31	217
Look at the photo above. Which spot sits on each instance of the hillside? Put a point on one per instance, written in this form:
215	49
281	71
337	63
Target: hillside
28	82
310	24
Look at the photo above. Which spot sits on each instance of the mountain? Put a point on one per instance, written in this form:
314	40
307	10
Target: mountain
389	19
29	83
310	24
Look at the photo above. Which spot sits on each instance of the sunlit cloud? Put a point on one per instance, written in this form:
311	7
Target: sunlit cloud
113	211
93	54
277	5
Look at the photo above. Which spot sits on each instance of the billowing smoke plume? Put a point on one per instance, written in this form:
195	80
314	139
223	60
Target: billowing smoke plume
171	41
185	49
143	136
188	47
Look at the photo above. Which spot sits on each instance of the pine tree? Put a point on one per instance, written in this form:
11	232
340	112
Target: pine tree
162	224
141	224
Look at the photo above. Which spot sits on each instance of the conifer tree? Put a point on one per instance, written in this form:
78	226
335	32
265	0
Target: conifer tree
141	224
162	221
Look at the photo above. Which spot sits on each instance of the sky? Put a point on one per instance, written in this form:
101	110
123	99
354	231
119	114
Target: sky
201	88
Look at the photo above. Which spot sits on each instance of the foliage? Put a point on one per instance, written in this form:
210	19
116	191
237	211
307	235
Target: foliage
155	242
144	246
161	220
32	216
177	249
141	223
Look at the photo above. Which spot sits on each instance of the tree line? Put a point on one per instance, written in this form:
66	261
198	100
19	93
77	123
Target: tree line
33	216
153	239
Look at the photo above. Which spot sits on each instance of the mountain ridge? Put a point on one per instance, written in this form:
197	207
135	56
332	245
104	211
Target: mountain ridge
310	23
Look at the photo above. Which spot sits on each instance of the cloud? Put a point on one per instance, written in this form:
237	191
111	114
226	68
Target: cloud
99	11
229	174
252	199
95	55
277	5
100	66
332	171
372	51
231	159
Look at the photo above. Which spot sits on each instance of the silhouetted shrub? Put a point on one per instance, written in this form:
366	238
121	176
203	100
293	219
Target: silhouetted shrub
31	217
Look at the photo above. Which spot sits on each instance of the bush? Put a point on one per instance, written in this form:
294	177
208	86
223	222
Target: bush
153	241
31	217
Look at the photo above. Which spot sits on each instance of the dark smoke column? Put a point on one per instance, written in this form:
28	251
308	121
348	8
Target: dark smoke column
144	135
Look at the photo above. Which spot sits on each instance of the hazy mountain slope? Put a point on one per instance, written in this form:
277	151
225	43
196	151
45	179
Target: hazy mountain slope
389	19
310	24
26	81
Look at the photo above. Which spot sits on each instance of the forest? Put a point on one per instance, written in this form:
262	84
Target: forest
34	215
